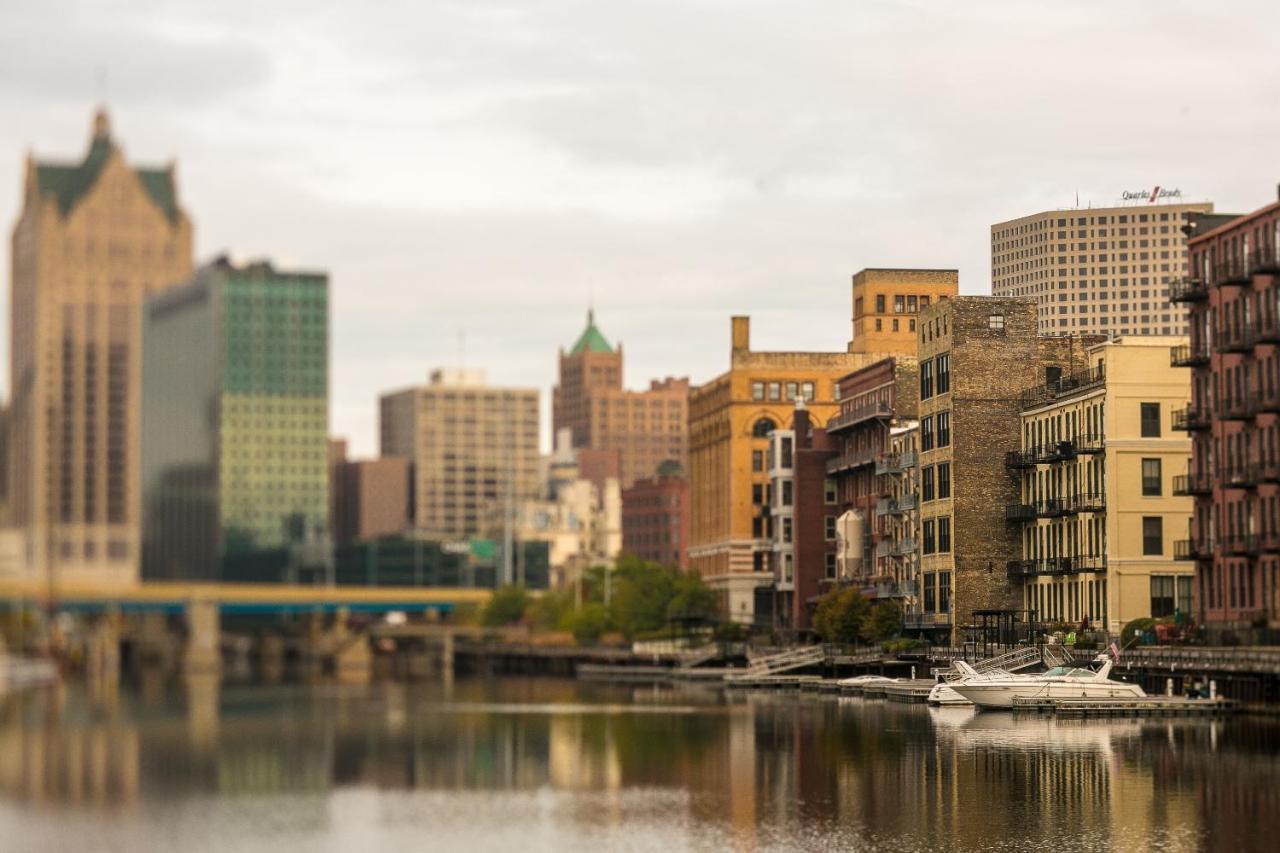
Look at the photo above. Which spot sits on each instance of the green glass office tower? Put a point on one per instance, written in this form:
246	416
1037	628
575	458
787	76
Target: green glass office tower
235	424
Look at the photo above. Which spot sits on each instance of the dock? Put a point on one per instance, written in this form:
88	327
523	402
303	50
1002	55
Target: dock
1149	706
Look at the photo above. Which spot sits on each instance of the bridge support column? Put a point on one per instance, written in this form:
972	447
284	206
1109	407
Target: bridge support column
203	654
102	653
352	659
156	647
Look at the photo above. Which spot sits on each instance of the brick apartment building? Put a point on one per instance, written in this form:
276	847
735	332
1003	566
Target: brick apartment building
655	517
1234	421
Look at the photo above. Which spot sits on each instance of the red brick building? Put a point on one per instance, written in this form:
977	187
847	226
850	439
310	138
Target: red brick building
805	556
1234	421
655	517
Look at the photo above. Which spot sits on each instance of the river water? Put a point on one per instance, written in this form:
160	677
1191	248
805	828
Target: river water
549	765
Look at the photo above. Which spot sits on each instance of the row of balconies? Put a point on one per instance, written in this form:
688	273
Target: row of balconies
1264	259
1056	507
896	506
1058	451
1246	407
1240	545
897	463
858	414
1245	476
1056	565
849	461
904	547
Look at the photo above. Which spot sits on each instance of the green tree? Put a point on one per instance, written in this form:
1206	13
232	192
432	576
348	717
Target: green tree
883	623
507	606
588	623
692	599
840	615
551	610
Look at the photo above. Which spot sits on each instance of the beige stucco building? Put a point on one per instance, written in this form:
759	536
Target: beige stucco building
1098	511
730	419
473	447
95	238
1103	270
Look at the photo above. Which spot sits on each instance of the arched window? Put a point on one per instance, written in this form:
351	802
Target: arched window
762	428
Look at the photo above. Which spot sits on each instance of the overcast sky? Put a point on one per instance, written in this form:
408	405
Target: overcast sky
491	167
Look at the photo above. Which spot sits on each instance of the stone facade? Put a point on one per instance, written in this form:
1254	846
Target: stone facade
94	240
976	355
886	303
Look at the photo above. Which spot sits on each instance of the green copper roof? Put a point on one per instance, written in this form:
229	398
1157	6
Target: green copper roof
591	340
68	184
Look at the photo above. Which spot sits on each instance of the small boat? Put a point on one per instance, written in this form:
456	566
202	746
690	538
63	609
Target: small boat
943	694
861	680
18	672
998	690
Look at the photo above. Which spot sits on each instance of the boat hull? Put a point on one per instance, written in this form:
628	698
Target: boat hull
1002	695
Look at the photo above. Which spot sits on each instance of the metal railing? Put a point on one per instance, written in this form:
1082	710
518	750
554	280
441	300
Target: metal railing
1188	289
1189	355
1192	483
1191	418
858	414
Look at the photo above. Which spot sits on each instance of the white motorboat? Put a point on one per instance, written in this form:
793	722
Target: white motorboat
998	690
862	680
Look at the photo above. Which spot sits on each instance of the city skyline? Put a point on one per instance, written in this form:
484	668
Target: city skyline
518	164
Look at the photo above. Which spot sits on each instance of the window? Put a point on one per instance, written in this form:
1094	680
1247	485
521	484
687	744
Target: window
829	527
830	560
879	325
879	308
926	484
926	433
762	428
944	592
757	494
930	594
929	536
1184	593
944	534
786	451
995	322
911	305
806	392
1150	420
757	460
787	489
1151	480
944	429
944	480
895	324
775	391
829	491
757	390
943	370
1162	603
1152	535
899	304
792	389
786	528
926	380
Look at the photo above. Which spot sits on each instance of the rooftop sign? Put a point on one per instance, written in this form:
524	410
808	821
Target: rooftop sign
1152	195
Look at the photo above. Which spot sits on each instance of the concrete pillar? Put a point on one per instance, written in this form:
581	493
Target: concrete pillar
352	658
155	646
271	658
102	652
203	653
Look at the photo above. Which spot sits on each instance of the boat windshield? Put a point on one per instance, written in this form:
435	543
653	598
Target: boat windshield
1058	672
1069	672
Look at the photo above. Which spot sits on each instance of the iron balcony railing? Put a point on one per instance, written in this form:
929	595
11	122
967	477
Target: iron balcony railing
1087	502
1241	476
1242	408
1071	383
1269	399
1265	258
1188	355
859	414
1241	543
1192	549
1192	483
1048	508
895	506
1041	566
1088	443
1240	339
1020	459
1232	271
896	463
852	459
1191	418
1269	471
1019	512
1188	289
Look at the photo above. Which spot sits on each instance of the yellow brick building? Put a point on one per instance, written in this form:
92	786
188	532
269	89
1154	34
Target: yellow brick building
730	418
1099	510
886	303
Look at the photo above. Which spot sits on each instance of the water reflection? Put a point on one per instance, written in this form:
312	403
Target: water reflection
529	764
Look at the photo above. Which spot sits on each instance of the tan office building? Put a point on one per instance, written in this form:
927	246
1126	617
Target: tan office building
1098	271
474	450
94	240
625	434
1100	509
886	303
730	418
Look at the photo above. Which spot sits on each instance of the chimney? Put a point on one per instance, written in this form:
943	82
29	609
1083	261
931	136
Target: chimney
802	426
741	334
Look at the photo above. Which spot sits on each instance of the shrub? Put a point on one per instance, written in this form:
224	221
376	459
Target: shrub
506	607
589	623
840	615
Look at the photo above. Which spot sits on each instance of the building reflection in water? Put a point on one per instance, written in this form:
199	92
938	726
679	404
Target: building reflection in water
755	771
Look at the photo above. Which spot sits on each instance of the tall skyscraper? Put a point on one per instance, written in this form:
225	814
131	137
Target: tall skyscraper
95	239
1103	270
627	434
235	425
474	450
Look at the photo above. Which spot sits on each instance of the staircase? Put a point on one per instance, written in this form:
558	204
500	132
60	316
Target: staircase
1011	661
1057	656
781	662
699	656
